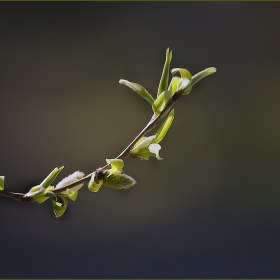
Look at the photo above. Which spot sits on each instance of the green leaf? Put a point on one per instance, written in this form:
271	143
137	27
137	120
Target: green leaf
71	194
143	142
164	128
36	192
173	86
2	180
119	181
202	74
116	165
165	73
51	177
162	101
185	82
184	73
143	153
41	199
145	148
59	206
94	186
139	89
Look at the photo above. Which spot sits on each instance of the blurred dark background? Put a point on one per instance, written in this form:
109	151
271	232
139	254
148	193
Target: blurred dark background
211	208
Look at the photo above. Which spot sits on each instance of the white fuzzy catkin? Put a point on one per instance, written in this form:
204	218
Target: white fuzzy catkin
77	175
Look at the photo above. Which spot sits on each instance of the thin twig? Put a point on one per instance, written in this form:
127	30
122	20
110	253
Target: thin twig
124	154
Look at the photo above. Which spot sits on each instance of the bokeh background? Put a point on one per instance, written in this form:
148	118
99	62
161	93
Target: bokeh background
211	208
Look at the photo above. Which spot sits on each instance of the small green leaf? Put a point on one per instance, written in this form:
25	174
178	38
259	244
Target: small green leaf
164	128
59	206
119	181
71	194
202	74
184	73
41	199
116	165
2	180
162	101
94	184
185	82
143	142
51	177
143	153
139	89
165	73
173	86
145	148
36	192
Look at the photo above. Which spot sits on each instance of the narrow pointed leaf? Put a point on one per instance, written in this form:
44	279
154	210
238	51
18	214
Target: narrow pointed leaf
204	73
164	128
161	102
163	84
140	90
51	177
36	192
173	86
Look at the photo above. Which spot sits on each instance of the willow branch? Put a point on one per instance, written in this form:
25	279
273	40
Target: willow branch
125	153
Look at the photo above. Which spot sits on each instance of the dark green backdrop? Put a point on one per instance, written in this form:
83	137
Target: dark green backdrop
211	208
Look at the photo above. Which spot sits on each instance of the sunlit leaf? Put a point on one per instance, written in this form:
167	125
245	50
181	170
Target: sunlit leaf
71	194
163	84
143	142
173	86
202	74
162	101
36	192
94	186
51	177
116	165
183	72
59	205
164	128
139	89
185	82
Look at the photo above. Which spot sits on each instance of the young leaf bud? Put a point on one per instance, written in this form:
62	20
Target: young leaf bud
94	184
36	192
51	177
119	181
